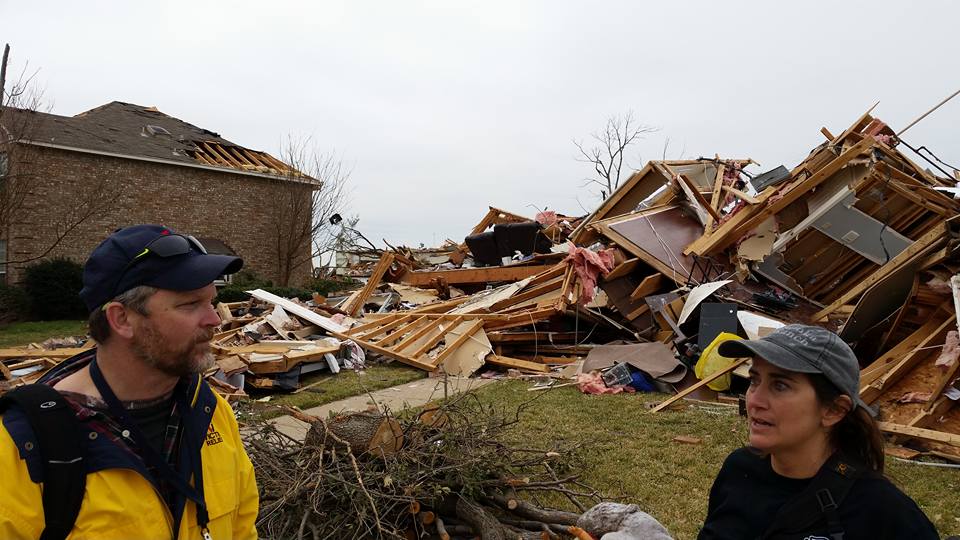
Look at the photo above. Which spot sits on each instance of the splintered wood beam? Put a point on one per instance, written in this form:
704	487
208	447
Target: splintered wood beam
557	270
378	272
695	190
516	363
945	379
452	347
486	221
749	199
887	360
530	293
920	433
932	412
826	133
474	275
870	393
715	197
40	353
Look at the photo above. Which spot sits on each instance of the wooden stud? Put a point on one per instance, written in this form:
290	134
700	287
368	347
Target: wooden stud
695	190
402	331
474	275
450	348
378	272
379	331
715	197
920	433
419	334
376	323
870	393
703	382
516	363
750	199
432	342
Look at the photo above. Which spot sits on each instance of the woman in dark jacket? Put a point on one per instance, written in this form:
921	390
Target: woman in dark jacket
814	467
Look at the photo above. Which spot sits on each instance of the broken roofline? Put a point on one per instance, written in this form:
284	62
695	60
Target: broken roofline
302	179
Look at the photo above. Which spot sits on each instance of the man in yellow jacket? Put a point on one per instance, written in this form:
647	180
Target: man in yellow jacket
161	450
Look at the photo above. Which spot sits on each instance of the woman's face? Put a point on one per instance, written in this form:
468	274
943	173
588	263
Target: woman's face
783	410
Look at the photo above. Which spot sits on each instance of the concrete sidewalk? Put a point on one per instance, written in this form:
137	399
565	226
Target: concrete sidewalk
396	398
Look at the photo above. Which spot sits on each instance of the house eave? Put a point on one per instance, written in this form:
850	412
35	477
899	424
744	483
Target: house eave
308	180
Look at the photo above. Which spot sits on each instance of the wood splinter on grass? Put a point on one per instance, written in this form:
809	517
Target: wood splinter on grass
685	439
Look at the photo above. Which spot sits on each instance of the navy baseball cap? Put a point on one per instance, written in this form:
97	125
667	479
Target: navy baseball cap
805	349
151	255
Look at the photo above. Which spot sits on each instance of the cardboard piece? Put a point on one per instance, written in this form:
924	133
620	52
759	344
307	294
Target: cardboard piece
655	359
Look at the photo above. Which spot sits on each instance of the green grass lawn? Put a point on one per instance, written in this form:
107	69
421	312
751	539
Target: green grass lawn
629	452
330	388
23	333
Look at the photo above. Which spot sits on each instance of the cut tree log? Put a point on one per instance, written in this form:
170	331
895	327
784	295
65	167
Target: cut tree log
364	432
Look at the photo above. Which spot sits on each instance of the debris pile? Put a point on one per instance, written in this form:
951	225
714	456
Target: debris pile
857	238
448	471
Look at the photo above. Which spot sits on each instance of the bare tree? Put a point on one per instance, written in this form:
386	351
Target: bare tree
21	95
608	151
313	191
21	107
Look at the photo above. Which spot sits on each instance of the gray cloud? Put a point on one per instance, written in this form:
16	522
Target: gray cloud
444	108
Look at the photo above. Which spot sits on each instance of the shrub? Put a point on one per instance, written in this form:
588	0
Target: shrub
14	303
327	286
53	288
250	280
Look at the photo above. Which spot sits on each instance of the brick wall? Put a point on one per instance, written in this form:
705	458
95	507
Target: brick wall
233	208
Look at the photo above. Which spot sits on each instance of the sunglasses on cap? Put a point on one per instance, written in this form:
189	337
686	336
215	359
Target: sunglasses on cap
168	245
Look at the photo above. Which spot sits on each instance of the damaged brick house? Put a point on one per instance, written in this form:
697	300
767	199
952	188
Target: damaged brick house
81	177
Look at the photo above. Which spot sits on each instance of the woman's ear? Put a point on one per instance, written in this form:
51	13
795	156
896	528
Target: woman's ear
835	412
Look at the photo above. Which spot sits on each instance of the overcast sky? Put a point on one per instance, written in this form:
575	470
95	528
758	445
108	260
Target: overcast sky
443	108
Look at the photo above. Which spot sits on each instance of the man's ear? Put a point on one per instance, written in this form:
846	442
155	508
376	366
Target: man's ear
119	318
836	411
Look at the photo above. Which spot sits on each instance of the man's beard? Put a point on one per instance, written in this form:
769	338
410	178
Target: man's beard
156	351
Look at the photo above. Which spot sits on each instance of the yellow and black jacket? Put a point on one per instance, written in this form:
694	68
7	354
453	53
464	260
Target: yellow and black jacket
122	500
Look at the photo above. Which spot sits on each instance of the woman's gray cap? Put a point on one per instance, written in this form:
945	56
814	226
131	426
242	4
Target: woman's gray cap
805	349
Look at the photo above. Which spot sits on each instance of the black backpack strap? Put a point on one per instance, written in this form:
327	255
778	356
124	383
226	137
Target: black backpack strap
58	437
820	501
